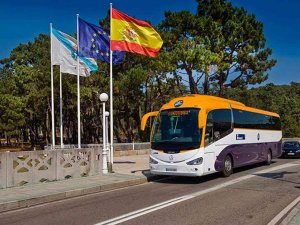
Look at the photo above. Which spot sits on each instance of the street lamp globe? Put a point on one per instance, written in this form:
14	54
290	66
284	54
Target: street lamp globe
103	97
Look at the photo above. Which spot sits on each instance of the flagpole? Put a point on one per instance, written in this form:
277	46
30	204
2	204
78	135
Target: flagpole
78	88
52	92
111	96
60	110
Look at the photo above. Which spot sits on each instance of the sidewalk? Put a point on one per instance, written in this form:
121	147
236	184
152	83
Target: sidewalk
293	217
134	165
296	219
128	171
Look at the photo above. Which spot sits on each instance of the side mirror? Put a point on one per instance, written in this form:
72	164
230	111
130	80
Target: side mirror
201	119
145	119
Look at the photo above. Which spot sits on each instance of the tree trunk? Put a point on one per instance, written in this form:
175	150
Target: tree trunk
68	130
74	136
117	134
206	84
36	131
221	91
193	85
5	137
122	127
223	78
146	97
178	84
160	94
22	139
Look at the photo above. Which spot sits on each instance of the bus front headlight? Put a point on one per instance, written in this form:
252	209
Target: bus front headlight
197	161
152	161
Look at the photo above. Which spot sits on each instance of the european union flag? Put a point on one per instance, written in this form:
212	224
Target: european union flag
94	42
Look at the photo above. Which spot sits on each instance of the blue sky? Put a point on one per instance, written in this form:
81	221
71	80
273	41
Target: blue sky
21	21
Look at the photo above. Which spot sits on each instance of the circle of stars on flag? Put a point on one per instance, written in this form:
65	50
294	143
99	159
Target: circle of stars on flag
102	53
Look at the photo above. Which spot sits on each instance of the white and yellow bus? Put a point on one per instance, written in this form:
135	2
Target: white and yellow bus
197	135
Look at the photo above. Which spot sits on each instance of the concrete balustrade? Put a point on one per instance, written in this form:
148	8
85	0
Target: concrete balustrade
31	167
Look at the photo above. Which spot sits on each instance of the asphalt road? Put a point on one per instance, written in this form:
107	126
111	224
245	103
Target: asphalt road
246	197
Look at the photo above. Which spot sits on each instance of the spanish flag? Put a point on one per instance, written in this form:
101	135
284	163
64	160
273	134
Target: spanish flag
132	35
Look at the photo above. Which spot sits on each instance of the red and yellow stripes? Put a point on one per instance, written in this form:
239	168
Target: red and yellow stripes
132	35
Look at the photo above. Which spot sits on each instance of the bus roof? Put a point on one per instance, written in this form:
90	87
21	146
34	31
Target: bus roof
209	102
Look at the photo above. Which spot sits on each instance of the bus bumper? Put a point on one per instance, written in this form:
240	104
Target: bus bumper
183	170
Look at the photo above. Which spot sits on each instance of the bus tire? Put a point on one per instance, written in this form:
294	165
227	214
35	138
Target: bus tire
228	166
269	157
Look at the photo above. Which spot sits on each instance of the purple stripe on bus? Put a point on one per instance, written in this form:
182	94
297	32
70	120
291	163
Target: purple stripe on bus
246	154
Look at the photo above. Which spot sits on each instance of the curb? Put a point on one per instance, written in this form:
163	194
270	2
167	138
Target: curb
287	214
26	203
294	212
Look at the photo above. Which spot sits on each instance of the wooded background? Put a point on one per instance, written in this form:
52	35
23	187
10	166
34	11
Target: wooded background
220	50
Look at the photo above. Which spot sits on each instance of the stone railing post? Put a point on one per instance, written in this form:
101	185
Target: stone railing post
57	164
3	173
92	159
9	170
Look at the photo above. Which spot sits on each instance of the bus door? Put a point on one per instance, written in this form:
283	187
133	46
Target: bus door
218	126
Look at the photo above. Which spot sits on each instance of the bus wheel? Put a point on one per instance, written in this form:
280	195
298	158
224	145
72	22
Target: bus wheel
228	166
269	158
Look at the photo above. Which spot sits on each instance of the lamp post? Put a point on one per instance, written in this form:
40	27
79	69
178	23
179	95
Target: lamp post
103	98
106	133
110	159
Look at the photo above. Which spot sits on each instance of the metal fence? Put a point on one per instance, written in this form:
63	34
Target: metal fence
117	146
29	167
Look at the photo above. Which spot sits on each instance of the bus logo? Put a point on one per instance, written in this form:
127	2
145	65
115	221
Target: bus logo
178	103
240	137
171	157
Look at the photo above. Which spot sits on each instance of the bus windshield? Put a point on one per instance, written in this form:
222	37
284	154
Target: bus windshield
175	130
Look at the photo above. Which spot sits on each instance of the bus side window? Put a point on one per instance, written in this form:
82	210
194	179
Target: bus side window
209	130
218	125
208	133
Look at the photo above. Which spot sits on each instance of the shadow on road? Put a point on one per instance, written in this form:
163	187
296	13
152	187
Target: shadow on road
144	172
275	175
278	176
237	171
187	180
206	178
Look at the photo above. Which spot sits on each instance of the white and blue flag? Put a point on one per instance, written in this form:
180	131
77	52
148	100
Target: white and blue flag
64	53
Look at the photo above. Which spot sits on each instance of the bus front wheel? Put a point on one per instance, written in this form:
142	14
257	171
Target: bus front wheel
228	166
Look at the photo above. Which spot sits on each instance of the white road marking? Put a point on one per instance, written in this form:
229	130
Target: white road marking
174	201
277	218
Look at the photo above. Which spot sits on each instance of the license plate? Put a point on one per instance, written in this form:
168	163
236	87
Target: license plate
171	169
290	153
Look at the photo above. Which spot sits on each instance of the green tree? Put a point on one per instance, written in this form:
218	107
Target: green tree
26	68
12	118
187	53
282	99
221	46
238	39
